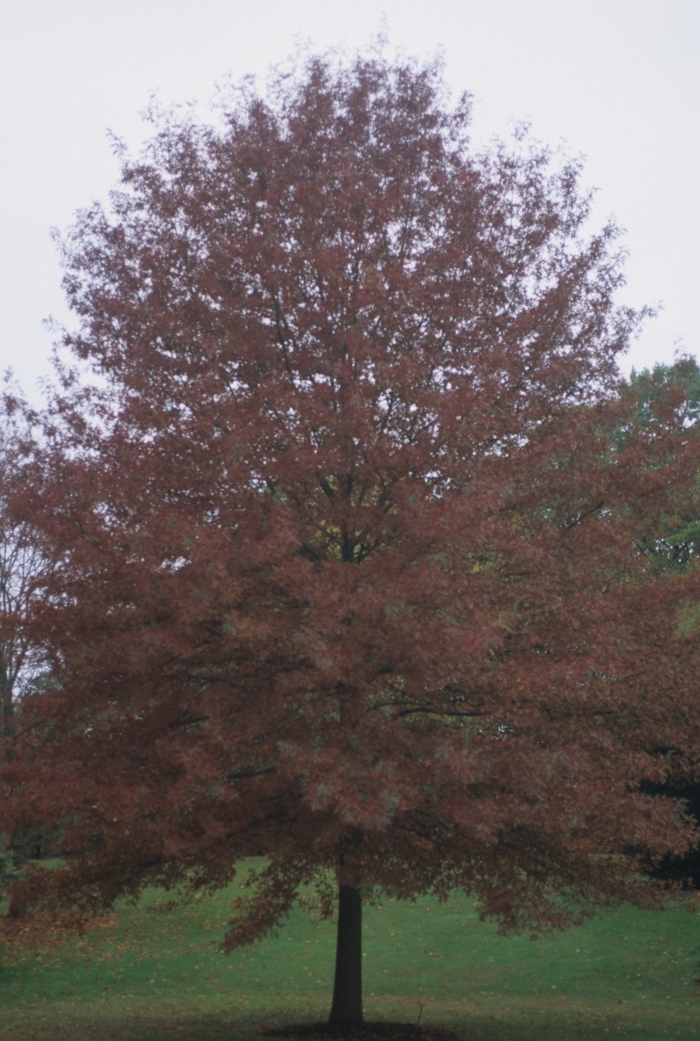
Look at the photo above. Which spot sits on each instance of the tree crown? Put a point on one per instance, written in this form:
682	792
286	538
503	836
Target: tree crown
343	566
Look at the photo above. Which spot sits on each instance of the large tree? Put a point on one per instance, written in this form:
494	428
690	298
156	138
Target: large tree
341	559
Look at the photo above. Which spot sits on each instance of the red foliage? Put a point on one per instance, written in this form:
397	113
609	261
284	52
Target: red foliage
340	560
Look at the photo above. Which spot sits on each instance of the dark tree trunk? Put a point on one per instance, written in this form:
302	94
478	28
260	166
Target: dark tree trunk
7	705
347	989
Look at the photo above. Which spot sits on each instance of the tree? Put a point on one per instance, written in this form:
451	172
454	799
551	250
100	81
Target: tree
668	396
341	567
19	571
19	568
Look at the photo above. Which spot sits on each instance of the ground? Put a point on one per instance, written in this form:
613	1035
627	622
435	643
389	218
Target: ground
147	975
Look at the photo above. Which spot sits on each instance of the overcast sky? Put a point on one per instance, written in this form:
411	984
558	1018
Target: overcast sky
615	80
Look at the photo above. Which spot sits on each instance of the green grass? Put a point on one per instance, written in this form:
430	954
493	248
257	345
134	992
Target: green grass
627	975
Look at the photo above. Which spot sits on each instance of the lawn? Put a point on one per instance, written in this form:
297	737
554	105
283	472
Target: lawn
152	976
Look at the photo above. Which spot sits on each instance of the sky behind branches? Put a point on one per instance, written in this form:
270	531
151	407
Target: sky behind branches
615	80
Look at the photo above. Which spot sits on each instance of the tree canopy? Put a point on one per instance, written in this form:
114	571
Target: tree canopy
341	552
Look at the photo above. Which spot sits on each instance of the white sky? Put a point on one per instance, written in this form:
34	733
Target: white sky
616	80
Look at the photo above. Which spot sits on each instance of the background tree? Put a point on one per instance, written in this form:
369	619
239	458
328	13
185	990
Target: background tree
665	398
19	567
668	398
19	572
340	568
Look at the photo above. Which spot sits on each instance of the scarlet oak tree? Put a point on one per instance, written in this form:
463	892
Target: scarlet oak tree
343	569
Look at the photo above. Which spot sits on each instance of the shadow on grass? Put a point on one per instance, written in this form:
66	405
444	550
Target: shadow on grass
370	1030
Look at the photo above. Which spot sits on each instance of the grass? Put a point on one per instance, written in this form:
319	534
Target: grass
151	976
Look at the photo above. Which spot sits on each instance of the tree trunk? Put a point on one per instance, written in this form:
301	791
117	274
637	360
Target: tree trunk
7	705
347	989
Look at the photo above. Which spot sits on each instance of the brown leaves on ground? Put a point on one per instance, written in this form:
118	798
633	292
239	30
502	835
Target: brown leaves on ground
47	930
